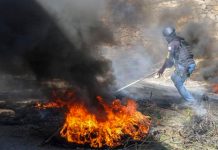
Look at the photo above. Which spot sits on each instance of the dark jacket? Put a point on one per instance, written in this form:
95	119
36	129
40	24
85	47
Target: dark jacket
179	53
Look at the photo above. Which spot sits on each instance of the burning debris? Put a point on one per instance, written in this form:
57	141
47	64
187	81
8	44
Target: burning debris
84	127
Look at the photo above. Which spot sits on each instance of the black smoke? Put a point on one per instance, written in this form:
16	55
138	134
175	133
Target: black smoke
200	37
204	46
32	42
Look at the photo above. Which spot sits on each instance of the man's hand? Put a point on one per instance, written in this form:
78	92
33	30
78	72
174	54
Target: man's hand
160	72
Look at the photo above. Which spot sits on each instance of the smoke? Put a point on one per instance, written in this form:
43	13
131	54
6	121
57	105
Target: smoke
198	33
54	39
127	12
129	63
201	38
34	41
174	16
209	71
143	48
133	55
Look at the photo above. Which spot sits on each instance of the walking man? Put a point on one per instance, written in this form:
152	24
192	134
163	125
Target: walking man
181	57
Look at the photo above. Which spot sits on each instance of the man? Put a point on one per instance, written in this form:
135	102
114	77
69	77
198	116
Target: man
180	56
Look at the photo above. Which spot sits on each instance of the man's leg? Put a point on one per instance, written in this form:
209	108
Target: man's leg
179	84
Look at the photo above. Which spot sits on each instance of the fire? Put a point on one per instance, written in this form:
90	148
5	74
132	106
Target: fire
58	99
82	127
215	88
48	105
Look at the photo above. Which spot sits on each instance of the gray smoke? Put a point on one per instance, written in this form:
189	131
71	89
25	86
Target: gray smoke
129	63
136	57
171	16
127	12
133	55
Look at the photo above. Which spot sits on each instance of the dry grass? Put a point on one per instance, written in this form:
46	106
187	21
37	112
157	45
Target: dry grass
180	129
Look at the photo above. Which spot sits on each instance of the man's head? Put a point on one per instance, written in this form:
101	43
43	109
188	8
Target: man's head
169	33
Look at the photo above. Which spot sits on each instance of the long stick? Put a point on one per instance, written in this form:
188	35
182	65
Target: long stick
128	85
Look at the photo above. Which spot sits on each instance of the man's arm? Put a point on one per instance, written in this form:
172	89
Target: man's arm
167	64
172	48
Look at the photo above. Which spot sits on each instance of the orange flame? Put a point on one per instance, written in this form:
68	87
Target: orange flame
49	105
215	88
82	127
